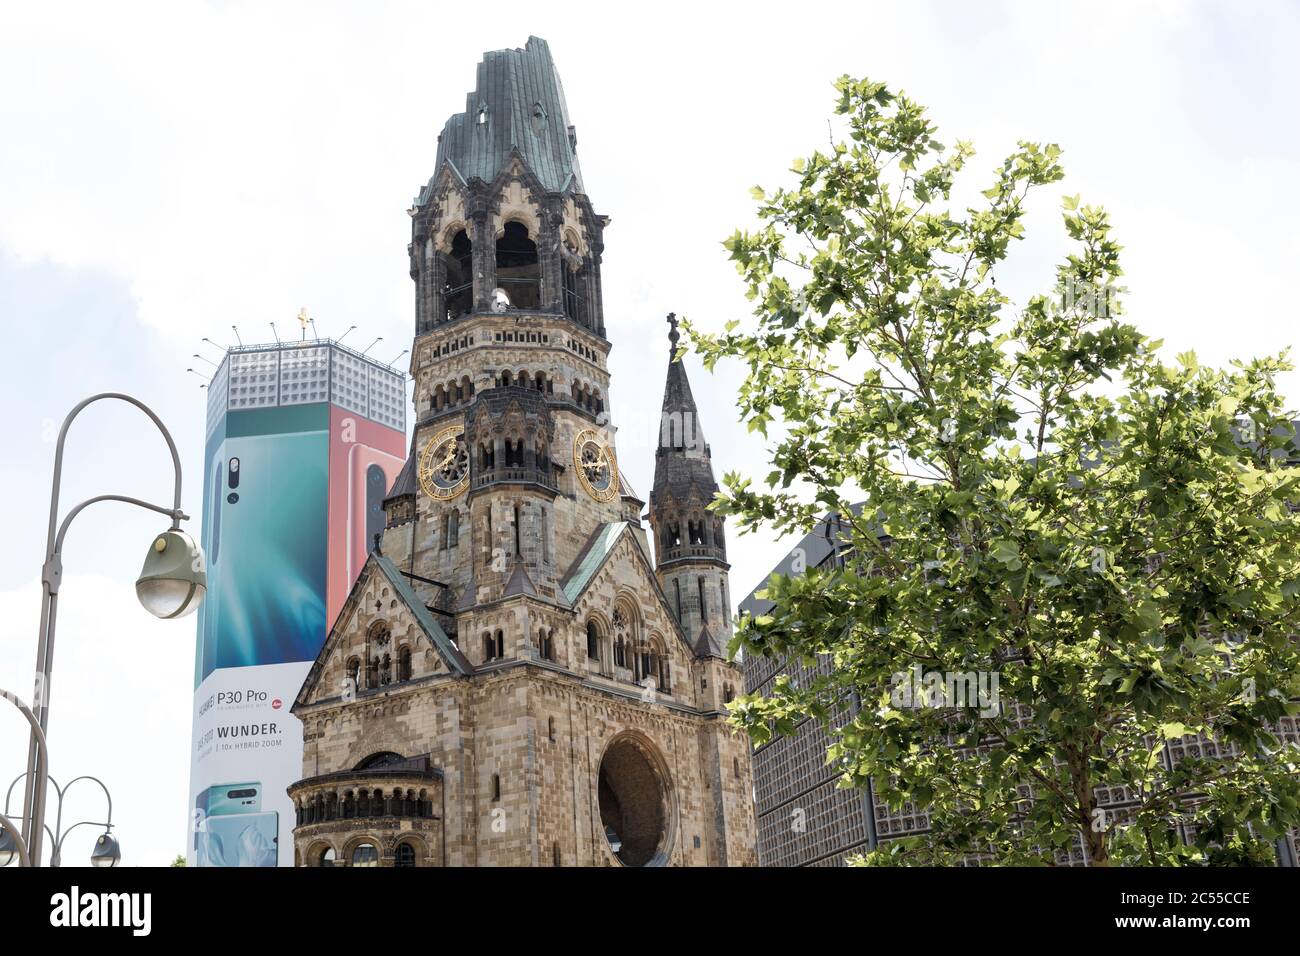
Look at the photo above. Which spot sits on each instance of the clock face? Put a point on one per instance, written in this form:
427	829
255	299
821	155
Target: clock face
595	464
444	464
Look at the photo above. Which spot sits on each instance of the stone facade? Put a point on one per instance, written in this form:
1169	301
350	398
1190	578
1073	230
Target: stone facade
514	680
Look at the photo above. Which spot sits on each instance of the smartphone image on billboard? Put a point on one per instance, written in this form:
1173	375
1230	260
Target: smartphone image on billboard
227	799
232	798
267	535
239	839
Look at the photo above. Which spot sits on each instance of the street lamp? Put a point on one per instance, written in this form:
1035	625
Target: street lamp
107	851
172	583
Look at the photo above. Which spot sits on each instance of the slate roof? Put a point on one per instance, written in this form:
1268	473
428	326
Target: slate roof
707	645
687	467
521	92
520	582
404	483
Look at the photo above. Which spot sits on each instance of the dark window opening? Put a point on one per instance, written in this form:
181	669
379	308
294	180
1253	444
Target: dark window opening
593	641
458	290
518	271
573	304
404	855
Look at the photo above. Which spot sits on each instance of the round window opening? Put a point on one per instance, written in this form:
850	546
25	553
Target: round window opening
634	804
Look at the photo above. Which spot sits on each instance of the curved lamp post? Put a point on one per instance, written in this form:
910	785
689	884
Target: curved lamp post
11	835
172	584
107	851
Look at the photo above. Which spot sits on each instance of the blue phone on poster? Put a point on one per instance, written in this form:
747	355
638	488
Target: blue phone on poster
239	839
268	551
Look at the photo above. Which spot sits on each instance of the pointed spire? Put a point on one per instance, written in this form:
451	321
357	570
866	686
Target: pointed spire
683	468
679	424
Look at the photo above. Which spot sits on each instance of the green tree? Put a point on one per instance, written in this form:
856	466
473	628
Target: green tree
179	861
1048	503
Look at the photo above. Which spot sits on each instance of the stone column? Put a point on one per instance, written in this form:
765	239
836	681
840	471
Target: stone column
484	259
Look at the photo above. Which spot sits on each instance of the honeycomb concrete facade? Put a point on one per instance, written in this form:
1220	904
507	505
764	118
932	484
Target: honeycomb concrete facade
513	679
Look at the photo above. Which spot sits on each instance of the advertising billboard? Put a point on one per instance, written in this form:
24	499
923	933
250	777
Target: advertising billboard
293	495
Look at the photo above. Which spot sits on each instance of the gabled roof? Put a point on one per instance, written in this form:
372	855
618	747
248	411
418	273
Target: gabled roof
376	563
590	560
596	552
455	659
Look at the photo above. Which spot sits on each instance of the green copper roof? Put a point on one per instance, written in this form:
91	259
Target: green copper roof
517	104
598	548
454	657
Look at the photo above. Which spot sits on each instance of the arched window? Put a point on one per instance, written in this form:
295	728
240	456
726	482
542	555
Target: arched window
404	855
326	857
496	787
353	673
704	604
404	664
677	592
365	854
518	271
555	854
550	728
569	269
458	287
593	641
379	663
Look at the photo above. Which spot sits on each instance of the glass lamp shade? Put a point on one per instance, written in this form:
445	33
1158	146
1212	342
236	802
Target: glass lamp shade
174	578
106	853
8	848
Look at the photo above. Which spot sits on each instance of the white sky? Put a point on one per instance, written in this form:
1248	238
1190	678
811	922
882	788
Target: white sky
168	169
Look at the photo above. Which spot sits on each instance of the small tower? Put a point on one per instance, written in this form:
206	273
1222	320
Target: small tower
690	544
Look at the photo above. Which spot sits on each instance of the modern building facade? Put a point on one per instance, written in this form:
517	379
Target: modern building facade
804	819
303	440
514	679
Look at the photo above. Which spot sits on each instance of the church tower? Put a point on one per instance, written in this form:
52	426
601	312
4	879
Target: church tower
690	543
508	682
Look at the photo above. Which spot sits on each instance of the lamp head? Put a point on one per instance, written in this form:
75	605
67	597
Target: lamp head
174	578
107	853
8	848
